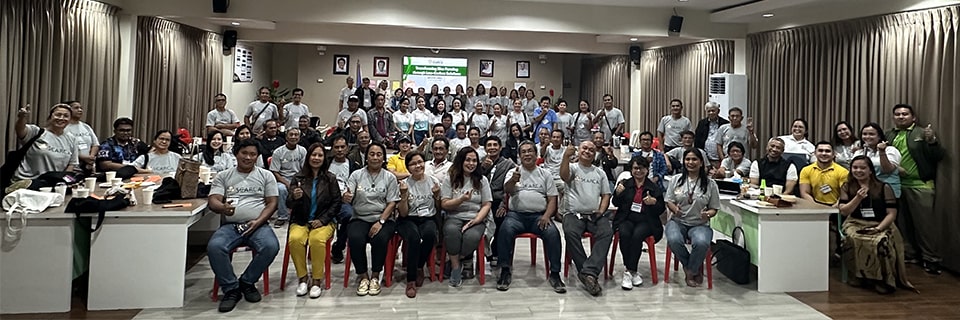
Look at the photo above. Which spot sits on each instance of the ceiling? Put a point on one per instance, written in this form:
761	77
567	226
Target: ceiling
558	26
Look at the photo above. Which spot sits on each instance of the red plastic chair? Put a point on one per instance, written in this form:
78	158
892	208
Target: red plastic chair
392	246
481	261
286	263
651	252
431	261
214	295
676	266
568	259
533	252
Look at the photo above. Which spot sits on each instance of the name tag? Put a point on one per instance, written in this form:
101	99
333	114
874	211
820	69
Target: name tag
825	189
423	211
636	207
867	213
545	121
83	146
234	201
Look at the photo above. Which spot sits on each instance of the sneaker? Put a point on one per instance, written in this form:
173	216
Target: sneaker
456	277
315	291
336	257
931	267
302	289
250	292
627	282
230	299
637	279
279	223
411	290
503	283
593	286
364	287
374	286
557	283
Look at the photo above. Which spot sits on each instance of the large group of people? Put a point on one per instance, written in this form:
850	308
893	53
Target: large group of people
464	179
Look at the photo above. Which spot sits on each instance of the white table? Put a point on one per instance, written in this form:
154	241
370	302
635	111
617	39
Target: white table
36	273
792	246
138	257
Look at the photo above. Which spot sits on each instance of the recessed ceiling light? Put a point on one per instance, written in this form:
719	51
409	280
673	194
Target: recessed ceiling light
683	0
634	39
235	23
768	15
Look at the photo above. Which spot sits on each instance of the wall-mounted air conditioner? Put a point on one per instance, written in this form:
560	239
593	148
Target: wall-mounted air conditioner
729	90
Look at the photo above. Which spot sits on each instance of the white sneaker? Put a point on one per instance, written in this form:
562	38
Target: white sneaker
637	279
302	289
315	292
374	286
627	282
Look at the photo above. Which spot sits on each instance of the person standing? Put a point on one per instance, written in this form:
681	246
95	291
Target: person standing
672	125
87	141
345	94
366	95
734	131
706	136
260	111
544	118
920	152
380	122
220	118
294	110
581	213
609	119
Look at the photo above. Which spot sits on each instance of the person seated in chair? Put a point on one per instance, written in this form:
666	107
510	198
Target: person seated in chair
774	168
581	213
820	181
160	160
308	135
286	163
686	142
315	203
639	204
693	199
120	149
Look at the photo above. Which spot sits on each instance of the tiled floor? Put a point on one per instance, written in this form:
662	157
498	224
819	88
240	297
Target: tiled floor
529	297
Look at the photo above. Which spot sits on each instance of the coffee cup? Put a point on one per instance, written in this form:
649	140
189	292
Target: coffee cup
777	189
81	192
61	189
768	191
90	183
111	175
116	182
148	196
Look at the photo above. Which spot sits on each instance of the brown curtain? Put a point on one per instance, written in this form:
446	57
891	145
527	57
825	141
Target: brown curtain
681	72
605	75
51	51
857	70
178	71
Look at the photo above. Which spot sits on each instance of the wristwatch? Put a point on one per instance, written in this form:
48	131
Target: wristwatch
383	221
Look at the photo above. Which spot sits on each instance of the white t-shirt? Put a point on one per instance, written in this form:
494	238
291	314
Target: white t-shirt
345	94
292	113
269	112
86	138
519	118
499	127
440	172
480	121
458	116
403	120
160	163
49	153
247	190
552	159
802	146
345	116
342	171
457	143
421	120
581	127
564	122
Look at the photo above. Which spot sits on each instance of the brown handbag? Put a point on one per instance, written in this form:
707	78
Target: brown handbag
188	176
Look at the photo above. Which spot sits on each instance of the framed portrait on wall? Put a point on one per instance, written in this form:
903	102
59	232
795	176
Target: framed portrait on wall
341	64
523	69
486	68
381	66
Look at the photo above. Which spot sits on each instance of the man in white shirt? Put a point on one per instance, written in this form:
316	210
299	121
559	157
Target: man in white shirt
220	118
439	166
352	109
774	168
609	119
345	94
461	140
259	111
293	110
342	166
87	141
672	125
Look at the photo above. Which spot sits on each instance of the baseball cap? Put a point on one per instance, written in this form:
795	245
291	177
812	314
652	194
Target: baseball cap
353	98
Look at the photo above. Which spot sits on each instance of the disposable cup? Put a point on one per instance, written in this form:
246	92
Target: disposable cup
90	183
777	189
148	196
111	175
81	192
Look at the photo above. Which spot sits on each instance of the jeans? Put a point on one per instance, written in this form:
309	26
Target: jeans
418	137
302	236
632	237
602	232
497	221
262	240
699	236
346	211
282	212
515	223
358	235
419	234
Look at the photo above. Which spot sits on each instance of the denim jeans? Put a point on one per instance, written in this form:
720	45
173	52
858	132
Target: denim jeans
699	236
346	211
262	240
515	223
282	213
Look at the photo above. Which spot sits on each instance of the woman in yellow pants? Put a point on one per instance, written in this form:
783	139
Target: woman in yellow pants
315	201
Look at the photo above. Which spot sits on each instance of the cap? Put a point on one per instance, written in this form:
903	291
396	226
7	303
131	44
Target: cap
353	98
401	138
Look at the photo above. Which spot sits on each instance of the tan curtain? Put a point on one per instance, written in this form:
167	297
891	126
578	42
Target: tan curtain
178	71
606	75
681	72
52	51
857	71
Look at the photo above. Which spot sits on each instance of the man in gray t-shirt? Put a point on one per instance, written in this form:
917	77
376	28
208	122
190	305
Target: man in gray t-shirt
672	125
585	184
286	163
609	119
246	196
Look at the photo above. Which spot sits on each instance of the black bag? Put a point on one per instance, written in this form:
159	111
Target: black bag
14	159
100	207
52	178
168	191
732	259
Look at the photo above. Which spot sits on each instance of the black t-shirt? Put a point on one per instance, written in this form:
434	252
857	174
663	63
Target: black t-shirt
877	202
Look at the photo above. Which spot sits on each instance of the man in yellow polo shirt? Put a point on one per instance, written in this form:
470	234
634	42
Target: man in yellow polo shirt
821	181
396	164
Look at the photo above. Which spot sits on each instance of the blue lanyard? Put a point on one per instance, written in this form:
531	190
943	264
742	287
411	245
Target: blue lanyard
313	199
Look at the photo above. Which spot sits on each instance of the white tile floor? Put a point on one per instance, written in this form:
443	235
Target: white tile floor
529	297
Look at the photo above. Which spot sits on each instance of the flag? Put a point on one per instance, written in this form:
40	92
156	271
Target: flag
359	75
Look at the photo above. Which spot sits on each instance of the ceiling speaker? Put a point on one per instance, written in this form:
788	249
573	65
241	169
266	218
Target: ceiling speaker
220	6
676	22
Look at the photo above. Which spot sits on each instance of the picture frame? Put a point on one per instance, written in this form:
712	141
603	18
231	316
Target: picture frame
341	64
523	69
486	68
381	66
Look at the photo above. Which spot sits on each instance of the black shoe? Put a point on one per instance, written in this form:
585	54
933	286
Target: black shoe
230	300
931	267
593	286
250	292
557	283
336	257
503	284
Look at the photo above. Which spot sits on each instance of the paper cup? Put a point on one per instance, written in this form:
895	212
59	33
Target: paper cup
61	189
90	183
116	182
768	191
46	189
81	192
148	196
777	189
111	175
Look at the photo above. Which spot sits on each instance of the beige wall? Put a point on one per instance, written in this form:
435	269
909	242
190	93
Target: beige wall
311	68
240	94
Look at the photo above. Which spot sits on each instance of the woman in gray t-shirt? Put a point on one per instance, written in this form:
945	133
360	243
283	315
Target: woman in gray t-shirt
373	192
419	200
161	160
54	150
466	197
692	198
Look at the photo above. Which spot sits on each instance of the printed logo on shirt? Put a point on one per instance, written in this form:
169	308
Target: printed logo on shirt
582	179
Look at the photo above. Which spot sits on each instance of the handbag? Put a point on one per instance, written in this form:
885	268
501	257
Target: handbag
188	177
732	259
100	207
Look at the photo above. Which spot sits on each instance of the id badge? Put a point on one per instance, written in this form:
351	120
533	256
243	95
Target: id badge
825	189
545	121
423	212
636	207
582	126
867	213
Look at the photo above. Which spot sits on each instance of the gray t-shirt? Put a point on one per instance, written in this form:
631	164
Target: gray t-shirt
470	208
677	153
86	138
612	118
247	190
288	162
293	112
372	192
584	190
581	127
692	200
532	190
420	196
727	134
215	117
160	163
222	161
671	129
730	168
710	146
552	159
49	153
342	171
269	112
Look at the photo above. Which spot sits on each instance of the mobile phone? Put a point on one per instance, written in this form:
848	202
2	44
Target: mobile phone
242	227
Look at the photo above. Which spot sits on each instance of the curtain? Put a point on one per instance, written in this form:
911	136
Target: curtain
605	75
857	70
51	51
179	70
681	72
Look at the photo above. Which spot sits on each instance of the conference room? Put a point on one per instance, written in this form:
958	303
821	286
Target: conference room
816	83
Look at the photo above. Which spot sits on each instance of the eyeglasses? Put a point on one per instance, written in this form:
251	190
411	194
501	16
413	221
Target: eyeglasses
124	130
354	121
220	100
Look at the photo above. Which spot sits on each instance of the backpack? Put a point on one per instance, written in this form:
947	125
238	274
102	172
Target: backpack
14	159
